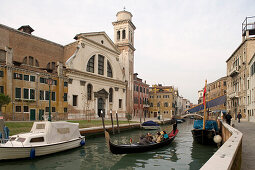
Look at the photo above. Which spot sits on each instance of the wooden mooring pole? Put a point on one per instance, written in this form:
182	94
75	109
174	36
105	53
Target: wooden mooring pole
102	115
112	122
117	122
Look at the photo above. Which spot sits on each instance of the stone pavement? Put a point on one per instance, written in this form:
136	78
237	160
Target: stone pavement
248	144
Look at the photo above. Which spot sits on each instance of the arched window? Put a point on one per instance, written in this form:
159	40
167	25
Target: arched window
158	104
36	63
118	35
109	69
100	64
123	34
25	60
165	104
89	91
48	66
31	60
90	65
110	95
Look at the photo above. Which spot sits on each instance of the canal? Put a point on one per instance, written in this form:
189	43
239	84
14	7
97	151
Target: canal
182	154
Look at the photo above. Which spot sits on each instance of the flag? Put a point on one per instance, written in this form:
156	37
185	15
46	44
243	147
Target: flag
204	96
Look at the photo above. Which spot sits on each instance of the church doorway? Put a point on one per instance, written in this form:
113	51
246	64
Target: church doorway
100	107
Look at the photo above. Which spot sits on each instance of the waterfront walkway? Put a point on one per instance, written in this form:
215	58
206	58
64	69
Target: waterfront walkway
248	144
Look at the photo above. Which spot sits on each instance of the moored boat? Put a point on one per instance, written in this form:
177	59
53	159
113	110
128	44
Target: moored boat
150	125
137	148
44	138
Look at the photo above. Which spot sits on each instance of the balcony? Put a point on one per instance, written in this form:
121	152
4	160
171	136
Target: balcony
233	95
234	71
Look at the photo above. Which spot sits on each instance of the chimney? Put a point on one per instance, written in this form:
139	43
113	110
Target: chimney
26	29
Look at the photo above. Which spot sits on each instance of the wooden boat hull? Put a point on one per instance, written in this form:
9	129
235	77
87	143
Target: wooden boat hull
204	137
136	148
151	127
7	153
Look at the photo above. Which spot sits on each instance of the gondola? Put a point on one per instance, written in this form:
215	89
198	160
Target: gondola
137	148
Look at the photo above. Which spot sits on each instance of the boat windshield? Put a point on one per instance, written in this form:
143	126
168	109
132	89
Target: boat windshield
21	139
12	138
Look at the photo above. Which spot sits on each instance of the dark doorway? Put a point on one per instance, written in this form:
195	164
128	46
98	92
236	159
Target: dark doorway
100	107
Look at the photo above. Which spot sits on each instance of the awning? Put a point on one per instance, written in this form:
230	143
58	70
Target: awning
212	103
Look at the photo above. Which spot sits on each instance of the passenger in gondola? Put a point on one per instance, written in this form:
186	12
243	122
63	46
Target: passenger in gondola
143	140
149	137
165	135
158	137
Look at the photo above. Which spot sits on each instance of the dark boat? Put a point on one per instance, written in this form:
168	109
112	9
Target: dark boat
137	148
205	136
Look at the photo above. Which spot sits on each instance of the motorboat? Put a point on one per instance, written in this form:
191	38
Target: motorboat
138	148
43	139
150	125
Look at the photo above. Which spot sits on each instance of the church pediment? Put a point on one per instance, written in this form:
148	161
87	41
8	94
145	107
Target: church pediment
101	93
101	39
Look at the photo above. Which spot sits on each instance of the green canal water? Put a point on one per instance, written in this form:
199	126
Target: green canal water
182	154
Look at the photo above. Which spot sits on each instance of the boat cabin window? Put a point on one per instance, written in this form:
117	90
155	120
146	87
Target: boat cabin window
21	139
38	139
63	130
12	138
40	126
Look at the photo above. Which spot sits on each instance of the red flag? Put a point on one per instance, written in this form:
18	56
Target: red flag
204	96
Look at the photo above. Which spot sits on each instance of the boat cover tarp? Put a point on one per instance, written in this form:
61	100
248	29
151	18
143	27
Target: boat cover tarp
209	125
57	131
150	123
212	103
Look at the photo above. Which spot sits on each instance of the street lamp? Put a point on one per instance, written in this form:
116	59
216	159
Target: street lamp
49	81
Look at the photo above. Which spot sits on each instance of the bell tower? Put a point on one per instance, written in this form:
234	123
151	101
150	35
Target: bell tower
124	40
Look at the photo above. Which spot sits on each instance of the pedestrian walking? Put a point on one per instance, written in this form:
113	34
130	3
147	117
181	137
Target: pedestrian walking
228	118
239	116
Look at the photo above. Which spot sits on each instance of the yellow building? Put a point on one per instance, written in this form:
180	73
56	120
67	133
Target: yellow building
162	101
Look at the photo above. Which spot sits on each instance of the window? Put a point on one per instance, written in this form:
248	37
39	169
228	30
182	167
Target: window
141	89
42	80
47	95
137	88
38	139
110	94
53	65
17	76
36	63
31	61
151	105
41	95
18	108
25	60
1	73
65	84
123	34
120	103
1	89
26	77
118	35
26	93
65	109
32	78
65	97
165	104
53	96
109	69
17	93
25	109
158	104
32	93
46	109
89	91
55	82
90	65
100	64
75	100
53	109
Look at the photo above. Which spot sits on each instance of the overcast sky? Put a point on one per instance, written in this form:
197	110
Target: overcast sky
178	42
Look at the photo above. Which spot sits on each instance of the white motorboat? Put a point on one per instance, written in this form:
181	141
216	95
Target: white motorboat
44	138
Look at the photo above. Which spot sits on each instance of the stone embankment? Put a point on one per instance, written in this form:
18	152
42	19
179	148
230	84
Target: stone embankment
229	155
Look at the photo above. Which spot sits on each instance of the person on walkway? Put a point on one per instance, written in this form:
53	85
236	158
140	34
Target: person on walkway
239	116
228	118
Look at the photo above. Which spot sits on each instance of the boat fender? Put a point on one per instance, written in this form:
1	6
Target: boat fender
217	139
32	153
82	142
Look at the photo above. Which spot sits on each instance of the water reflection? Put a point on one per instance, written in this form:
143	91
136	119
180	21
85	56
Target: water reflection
182	153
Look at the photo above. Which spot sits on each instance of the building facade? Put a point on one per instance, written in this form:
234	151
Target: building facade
162	101
238	71
25	67
251	91
141	98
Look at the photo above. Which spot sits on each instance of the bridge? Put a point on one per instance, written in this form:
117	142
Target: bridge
191	114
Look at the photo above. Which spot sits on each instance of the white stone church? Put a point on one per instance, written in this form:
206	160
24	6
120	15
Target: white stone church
100	71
